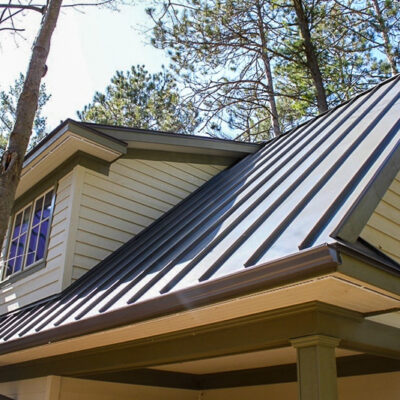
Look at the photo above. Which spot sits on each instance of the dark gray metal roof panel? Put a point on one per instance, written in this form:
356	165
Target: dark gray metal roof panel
290	195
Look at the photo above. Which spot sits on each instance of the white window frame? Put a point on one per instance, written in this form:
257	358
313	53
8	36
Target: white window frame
7	248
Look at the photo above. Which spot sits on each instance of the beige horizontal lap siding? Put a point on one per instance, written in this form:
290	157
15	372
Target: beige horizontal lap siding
46	281
116	207
383	228
27	389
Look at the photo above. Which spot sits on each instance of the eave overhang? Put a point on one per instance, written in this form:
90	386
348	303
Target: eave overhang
108	143
142	139
318	261
65	141
317	267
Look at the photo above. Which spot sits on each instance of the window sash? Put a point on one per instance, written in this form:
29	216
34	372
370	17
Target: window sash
23	249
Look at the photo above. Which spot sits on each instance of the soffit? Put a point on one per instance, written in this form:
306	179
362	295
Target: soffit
258	359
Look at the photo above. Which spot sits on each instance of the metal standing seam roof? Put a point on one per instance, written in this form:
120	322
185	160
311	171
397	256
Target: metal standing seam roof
290	195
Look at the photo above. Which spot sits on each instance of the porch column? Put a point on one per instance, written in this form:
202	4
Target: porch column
316	367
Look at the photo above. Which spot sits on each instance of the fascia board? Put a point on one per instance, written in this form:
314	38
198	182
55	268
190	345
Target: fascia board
142	139
353	222
74	127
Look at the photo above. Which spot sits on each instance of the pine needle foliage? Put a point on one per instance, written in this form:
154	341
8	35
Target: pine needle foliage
139	99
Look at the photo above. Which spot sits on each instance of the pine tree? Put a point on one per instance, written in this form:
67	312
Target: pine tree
221	50
8	106
139	99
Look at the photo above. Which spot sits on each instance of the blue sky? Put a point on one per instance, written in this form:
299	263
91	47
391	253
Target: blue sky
86	50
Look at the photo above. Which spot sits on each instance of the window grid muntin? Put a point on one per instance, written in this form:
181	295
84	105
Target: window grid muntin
29	231
12	261
39	224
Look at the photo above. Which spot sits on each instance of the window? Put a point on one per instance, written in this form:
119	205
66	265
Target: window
29	234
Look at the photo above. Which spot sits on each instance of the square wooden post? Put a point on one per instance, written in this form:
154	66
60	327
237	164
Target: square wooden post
316	367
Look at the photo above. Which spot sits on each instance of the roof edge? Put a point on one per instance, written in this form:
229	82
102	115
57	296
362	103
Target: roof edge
161	133
97	133
74	127
382	261
320	260
353	222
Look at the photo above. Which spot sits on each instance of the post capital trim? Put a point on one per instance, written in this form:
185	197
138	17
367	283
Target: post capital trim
315	340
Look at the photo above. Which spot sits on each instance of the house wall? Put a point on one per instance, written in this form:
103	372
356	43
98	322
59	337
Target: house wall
94	214
78	389
60	388
372	387
383	228
46	281
116	207
27	389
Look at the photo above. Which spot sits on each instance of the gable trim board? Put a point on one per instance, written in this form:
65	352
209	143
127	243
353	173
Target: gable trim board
163	155
169	141
71	126
357	217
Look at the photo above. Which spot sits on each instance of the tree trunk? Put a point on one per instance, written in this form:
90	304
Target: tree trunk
311	55
384	31
13	157
268	74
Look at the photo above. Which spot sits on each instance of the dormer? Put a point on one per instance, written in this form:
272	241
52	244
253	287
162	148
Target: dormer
87	189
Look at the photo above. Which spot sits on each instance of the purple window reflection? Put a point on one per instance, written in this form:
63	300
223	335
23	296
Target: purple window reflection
17	226
47	205
30	259
38	211
25	221
21	245
42	240
18	263
11	257
13	249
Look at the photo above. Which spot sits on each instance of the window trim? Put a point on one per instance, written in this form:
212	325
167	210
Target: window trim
39	263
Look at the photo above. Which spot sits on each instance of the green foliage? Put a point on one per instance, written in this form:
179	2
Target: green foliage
218	49
8	107
345	60
139	99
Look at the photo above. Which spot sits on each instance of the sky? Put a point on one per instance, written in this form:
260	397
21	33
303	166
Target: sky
86	49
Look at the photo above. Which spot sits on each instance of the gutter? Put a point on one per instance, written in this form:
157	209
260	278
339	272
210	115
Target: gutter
320	260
